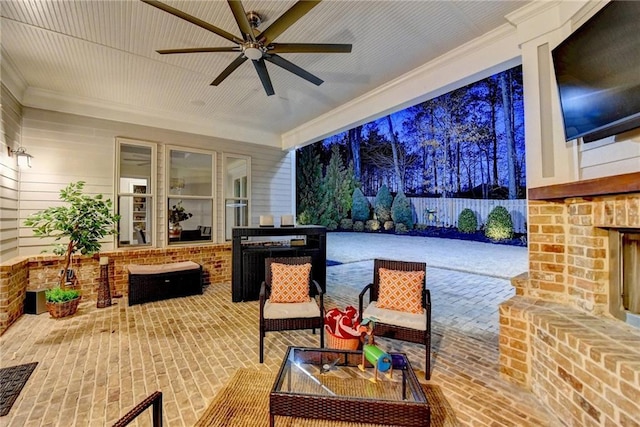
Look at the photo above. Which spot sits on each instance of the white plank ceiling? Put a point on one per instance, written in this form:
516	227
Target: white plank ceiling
104	53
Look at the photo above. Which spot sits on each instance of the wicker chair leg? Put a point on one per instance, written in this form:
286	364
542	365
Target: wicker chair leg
427	364
261	345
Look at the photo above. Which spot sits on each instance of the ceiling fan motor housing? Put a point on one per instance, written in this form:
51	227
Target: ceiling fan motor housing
254	19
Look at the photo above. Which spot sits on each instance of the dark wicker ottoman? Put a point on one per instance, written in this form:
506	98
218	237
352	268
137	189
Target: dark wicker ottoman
158	282
327	384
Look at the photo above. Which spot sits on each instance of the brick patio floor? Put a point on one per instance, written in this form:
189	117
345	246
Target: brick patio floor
96	365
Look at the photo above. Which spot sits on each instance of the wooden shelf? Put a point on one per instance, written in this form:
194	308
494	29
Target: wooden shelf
617	184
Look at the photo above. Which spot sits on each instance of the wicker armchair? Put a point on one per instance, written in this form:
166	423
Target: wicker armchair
289	316
398	325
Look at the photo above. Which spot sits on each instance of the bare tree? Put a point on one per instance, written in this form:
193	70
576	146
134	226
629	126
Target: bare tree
508	128
393	138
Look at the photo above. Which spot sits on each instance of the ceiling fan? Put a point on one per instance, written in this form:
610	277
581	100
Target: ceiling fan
256	45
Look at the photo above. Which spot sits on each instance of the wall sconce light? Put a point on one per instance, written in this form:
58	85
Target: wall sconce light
24	158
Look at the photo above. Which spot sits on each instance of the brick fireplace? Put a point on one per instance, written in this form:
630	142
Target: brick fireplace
559	336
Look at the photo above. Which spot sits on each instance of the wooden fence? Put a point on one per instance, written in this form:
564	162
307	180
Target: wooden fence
442	212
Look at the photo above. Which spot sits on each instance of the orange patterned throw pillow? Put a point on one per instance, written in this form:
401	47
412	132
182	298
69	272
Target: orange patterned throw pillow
400	290
290	283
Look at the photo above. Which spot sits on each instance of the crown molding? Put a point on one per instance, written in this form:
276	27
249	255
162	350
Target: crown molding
543	17
531	10
54	101
488	54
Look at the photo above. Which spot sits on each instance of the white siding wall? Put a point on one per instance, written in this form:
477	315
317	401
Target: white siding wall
10	138
612	156
69	148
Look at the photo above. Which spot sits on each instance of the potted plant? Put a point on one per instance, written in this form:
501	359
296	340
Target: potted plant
82	222
177	214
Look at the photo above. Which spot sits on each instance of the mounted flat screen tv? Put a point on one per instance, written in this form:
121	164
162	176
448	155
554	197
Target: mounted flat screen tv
597	69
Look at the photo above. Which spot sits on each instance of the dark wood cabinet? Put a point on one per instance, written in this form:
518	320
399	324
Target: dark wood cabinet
249	255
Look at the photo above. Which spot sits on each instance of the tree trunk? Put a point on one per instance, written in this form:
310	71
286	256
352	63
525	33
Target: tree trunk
394	150
355	140
458	184
511	156
67	263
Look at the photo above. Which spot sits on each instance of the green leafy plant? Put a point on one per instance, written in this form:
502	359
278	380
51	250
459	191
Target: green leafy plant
59	295
499	224
401	211
177	213
83	221
467	221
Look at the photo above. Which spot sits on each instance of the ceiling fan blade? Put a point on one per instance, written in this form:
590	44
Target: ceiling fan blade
200	49
309	48
230	69
289	66
286	20
241	18
192	19
261	68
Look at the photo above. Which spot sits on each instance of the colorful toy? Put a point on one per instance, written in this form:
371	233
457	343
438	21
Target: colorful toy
380	359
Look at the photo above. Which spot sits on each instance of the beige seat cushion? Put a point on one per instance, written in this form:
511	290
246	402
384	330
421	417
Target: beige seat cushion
395	317
163	268
287	310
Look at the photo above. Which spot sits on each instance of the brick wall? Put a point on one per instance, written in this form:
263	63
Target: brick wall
556	335
42	271
13	277
586	369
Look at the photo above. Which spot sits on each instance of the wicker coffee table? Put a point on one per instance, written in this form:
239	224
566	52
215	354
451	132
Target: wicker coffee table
327	384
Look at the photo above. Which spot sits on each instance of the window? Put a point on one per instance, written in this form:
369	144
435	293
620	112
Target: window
190	183
136	190
236	184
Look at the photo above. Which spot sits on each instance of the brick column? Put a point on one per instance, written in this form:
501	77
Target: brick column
547	250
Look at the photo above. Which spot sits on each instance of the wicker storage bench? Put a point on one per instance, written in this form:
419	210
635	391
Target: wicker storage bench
163	281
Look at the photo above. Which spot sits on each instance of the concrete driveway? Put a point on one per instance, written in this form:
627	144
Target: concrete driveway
487	259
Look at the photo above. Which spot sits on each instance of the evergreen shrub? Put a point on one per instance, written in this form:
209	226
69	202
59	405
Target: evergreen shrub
372	225
346	224
358	226
382	204
360	207
332	225
401	211
304	218
499	224
467	221
401	228
388	225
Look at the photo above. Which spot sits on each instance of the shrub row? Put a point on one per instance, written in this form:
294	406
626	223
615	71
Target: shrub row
395	213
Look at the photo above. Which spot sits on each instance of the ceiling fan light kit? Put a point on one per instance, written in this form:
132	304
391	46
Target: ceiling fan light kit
258	46
252	51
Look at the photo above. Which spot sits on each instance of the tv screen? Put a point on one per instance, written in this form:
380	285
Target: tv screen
597	69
